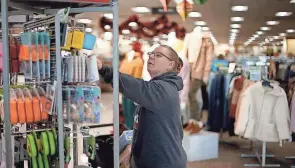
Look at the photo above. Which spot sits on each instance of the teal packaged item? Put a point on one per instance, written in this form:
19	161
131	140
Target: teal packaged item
92	100
77	105
89	41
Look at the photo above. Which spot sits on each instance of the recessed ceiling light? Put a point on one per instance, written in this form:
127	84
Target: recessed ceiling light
126	31
205	28
200	23
84	21
292	1
239	8
276	37
109	15
132	24
271	23
282	34
290	31
259	32
107	27
141	10
282	14
235	26
88	30
264	28
234	30
237	19
195	14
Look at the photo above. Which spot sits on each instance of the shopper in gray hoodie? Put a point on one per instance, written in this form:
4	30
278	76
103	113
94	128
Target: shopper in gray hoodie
158	133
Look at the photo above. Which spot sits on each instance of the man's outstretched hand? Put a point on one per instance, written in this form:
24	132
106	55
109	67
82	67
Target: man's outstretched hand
99	64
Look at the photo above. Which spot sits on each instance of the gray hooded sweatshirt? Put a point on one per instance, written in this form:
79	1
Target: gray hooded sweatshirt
158	133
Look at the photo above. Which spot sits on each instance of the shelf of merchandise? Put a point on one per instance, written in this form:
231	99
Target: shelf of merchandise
93	6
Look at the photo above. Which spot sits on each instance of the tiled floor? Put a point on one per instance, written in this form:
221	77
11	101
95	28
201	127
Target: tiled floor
229	156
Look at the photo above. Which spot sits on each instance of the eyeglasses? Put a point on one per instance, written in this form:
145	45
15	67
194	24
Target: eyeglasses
158	55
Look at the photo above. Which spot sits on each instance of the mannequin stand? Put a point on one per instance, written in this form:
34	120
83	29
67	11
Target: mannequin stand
261	158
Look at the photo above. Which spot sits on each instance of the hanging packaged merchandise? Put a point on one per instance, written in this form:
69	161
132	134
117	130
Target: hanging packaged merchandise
68	41
45	104
89	41
92	69
13	54
89	147
92	97
28	106
46	50
67	150
77	102
32	149
36	105
25	55
78	39
35	56
21	106
13	108
41	44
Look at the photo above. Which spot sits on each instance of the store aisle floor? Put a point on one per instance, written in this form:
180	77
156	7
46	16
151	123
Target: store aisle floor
229	155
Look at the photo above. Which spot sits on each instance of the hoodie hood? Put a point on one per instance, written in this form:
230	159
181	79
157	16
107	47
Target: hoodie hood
172	78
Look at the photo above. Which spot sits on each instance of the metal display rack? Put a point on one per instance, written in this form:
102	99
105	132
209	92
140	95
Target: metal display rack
25	8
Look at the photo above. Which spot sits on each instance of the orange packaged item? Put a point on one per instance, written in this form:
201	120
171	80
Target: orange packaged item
37	109
45	104
21	111
13	112
24	53
29	110
46	52
40	52
34	53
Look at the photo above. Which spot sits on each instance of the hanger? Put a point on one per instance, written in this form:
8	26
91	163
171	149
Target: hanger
266	83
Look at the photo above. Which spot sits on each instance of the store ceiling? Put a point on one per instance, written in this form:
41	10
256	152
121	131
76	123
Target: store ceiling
217	14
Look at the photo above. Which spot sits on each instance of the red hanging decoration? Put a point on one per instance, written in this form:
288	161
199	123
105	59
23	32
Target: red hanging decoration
161	25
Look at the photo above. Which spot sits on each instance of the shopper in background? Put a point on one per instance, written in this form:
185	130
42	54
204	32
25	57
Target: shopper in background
157	140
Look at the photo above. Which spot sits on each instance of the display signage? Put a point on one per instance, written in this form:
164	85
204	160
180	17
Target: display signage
160	10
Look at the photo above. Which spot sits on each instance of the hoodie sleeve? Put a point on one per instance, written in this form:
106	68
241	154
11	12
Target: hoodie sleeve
243	117
145	93
282	117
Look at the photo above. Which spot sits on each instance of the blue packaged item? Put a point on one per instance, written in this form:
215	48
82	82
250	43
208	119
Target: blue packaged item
92	96
89	41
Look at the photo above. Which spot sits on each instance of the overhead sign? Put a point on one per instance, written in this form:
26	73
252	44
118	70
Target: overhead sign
160	10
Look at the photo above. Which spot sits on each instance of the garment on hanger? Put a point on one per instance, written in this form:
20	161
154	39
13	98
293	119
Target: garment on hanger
264	114
192	44
292	107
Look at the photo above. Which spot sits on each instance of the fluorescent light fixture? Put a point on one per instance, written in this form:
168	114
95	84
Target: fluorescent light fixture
232	38
84	21
282	34
133	38
271	39
234	30
108	36
235	26
233	34
272	23
276	37
205	28
237	19
132	24
292	1
141	10
108	15
255	35
239	8
259	32
88	30
195	14
282	14
126	31
290	31
107	27
265	28
200	23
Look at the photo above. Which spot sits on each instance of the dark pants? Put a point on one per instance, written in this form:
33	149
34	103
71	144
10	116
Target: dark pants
196	84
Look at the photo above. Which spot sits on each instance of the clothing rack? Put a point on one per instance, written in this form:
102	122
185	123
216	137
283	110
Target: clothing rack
260	157
111	6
